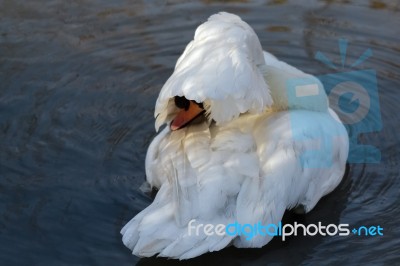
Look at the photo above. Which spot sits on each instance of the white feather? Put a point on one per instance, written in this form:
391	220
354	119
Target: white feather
252	164
220	65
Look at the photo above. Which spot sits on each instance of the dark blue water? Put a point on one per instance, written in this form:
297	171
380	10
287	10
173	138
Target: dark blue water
78	84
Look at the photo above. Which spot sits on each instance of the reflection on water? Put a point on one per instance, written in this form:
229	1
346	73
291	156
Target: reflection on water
79	81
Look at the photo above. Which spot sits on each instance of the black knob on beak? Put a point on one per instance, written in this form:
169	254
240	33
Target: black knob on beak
181	102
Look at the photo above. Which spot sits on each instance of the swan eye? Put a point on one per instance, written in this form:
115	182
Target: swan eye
181	102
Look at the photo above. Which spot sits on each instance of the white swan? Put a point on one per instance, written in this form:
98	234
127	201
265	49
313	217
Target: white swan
243	143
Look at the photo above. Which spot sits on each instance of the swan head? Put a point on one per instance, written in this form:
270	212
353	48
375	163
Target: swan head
219	74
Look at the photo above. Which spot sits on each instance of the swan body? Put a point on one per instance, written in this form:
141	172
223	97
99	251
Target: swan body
255	153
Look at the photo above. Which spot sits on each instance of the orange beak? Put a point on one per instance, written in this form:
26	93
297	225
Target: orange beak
184	117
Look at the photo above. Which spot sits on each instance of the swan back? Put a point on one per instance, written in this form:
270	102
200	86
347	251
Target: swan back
220	67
